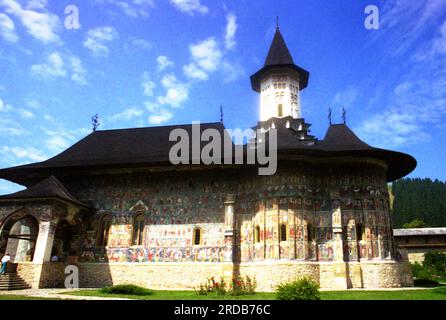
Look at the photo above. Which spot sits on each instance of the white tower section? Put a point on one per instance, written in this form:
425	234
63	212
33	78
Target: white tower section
279	97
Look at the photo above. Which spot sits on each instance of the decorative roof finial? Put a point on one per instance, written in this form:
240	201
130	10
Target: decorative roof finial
329	116
221	113
277	22
344	115
95	122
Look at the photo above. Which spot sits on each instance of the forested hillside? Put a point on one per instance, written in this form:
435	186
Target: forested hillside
419	199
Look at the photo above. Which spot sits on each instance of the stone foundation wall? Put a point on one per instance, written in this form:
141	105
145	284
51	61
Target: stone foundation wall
152	275
177	276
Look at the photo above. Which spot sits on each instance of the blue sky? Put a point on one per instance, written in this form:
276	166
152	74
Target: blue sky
153	62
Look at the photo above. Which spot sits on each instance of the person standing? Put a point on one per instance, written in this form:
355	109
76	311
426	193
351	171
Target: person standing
6	258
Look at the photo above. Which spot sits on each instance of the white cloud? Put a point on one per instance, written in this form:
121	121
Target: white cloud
98	38
191	70
190	6
177	92
206	58
231	29
41	25
33	103
346	98
127	114
164	63
20	154
148	85
25	114
141	43
5	107
78	71
55	67
133	8
158	114
7	28
60	138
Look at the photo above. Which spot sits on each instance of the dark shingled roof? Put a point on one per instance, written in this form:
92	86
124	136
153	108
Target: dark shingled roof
340	137
278	52
279	58
47	188
142	147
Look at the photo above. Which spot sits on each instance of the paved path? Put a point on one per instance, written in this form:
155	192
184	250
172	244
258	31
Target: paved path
54	293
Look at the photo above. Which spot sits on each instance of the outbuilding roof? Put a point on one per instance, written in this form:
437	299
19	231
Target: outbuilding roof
419	232
45	189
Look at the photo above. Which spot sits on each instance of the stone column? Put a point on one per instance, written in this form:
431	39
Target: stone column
44	244
231	248
339	266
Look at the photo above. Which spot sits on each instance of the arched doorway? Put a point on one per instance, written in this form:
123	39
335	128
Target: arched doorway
65	245
19	236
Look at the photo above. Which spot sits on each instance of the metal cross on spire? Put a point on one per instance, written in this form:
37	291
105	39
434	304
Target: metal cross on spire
329	115
221	113
277	22
344	115
95	122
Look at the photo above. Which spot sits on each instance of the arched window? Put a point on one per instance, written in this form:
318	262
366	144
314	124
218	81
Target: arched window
104	230
283	232
138	230
257	234
197	237
279	110
360	235
359	232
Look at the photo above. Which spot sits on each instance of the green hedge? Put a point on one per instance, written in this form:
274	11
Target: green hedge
127	289
302	289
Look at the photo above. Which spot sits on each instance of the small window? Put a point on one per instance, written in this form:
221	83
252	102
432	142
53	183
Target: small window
257	234
359	232
279	110
138	230
310	233
104	231
283	232
197	237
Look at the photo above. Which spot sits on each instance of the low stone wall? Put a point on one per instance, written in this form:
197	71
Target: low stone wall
268	274
151	275
46	275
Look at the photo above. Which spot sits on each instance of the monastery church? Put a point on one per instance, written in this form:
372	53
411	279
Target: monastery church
115	206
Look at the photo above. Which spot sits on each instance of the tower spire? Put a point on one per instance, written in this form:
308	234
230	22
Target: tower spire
279	82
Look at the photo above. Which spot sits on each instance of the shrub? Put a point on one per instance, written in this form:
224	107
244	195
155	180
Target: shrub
128	289
435	262
302	289
425	283
240	286
237	287
420	272
417	223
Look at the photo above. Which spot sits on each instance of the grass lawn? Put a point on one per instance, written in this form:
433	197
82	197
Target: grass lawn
427	294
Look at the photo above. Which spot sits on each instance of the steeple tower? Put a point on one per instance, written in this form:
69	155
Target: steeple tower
279	82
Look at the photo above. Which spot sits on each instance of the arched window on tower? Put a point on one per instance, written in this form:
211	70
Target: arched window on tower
280	110
138	230
257	234
283	232
197	237
104	230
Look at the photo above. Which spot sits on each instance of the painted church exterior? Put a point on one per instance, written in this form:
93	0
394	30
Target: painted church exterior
114	206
